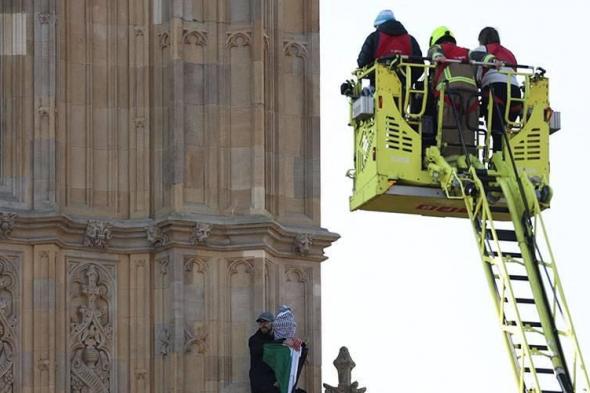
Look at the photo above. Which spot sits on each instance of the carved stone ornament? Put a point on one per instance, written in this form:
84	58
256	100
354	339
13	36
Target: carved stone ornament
303	243
91	330
296	49
238	39
344	365
194	37
200	233
43	363
236	263
43	111
198	340
156	236
164	40
164	341
44	19
98	234
163	262
7	222
190	262
294	274
140	374
8	325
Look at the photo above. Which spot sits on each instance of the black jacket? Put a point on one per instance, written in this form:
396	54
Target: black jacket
262	377
392	27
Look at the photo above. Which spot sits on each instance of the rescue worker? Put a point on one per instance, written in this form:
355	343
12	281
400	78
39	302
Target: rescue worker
497	83
389	38
262	377
458	81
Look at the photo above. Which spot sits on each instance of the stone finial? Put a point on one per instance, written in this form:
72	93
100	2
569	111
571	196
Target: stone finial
344	365
303	243
98	234
7	222
200	233
156	236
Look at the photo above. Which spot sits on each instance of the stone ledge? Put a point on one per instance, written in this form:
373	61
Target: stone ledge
141	236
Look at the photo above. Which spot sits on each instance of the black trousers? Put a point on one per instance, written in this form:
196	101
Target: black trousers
500	94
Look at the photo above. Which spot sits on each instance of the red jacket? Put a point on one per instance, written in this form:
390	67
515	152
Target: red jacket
393	44
501	53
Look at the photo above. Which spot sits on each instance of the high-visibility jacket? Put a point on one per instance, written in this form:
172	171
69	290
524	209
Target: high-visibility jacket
450	73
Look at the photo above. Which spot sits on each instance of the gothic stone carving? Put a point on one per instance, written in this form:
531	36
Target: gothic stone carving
344	365
91	330
164	340
194	37
163	262
191	261
8	324
7	221
199	340
200	233
164	40
98	234
303	243
293	48
238	39
156	236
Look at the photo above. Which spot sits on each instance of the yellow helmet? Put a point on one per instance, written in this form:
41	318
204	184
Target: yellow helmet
440	32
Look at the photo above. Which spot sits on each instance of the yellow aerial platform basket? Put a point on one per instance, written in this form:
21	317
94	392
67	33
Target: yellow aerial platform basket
391	124
432	157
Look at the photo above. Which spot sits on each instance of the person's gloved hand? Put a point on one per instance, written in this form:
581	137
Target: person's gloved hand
346	89
498	64
440	59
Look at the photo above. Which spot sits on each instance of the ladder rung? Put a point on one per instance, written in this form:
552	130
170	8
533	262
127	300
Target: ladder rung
507	254
506	235
514	277
518	277
534	346
499	209
526	323
539	370
522	300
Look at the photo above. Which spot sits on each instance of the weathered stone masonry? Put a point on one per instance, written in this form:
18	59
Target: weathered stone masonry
159	186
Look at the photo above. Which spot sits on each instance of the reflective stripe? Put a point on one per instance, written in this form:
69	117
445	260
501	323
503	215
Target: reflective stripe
450	78
488	58
463	79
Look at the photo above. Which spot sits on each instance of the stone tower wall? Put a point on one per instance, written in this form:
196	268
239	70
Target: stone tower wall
159	187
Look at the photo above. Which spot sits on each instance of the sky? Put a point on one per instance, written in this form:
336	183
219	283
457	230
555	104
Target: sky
407	294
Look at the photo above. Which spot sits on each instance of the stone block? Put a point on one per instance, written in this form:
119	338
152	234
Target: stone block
168	116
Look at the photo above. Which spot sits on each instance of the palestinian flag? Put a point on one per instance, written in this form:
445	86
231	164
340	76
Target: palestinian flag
284	362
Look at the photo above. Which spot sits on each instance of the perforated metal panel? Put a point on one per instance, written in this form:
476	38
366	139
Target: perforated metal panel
397	139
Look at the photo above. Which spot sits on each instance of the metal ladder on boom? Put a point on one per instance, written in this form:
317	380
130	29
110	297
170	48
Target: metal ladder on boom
521	272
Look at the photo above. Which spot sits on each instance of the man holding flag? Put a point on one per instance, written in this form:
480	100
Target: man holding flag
285	359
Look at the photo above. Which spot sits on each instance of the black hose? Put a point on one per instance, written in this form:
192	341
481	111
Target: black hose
459	125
